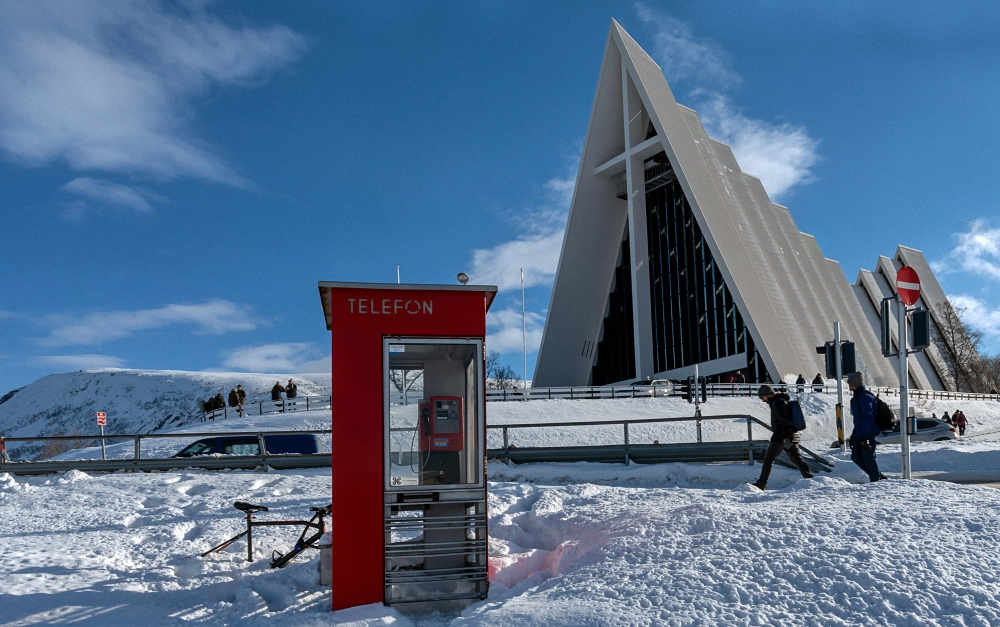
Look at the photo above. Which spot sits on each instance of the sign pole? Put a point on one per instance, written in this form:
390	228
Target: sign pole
102	419
904	375
841	427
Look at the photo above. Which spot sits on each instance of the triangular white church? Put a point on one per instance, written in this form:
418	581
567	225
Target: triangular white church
674	257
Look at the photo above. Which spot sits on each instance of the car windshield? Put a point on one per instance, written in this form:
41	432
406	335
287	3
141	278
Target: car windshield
198	448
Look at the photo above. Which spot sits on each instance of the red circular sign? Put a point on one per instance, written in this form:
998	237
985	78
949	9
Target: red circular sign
908	285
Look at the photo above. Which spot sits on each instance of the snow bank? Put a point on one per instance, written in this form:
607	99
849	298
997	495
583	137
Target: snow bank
628	552
821	552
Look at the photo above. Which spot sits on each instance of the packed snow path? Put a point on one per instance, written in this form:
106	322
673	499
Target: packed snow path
820	552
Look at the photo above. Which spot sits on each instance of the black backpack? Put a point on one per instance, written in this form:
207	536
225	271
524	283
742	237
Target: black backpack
885	418
798	418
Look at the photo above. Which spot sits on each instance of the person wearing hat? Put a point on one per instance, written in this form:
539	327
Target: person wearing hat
784	437
863	410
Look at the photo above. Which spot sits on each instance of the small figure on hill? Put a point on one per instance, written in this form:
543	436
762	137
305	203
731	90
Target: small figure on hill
784	437
241	396
234	399
960	421
818	383
946	418
863	410
276	391
291	390
739	378
801	383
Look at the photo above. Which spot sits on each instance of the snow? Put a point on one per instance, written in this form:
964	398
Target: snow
819	552
571	544
135	401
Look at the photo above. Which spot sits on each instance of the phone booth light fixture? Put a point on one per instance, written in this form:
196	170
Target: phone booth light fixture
408	445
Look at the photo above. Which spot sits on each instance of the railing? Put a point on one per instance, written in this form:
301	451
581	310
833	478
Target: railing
505	452
285	405
137	462
714	390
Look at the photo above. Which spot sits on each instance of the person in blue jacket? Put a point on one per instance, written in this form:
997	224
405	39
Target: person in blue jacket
863	409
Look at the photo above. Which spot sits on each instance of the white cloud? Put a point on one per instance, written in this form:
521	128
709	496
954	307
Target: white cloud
780	155
503	330
536	249
81	362
283	357
110	84
978	251
978	314
212	317
108	193
682	56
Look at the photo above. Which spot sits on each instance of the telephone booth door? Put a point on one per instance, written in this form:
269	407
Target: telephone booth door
435	492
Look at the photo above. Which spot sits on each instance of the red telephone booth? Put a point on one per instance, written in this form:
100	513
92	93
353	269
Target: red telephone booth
409	442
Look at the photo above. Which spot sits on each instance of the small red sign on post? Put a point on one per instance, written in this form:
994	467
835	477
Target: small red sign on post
102	418
908	285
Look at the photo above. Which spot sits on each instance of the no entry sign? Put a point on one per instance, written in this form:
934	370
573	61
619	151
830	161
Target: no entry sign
908	285
102	418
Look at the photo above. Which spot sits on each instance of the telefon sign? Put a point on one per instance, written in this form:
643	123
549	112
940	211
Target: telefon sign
390	306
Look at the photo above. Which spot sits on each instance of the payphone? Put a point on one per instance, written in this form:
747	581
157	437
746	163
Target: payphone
441	439
408	447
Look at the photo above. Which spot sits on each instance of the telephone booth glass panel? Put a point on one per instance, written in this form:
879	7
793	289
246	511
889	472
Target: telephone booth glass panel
433	393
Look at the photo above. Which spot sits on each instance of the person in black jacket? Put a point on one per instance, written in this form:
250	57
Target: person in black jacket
818	383
784	437
276	391
291	390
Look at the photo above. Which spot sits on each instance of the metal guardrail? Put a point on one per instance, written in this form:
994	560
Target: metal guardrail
714	390
137	462
628	452
285	405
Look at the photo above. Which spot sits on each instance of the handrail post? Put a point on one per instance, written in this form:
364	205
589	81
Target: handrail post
626	442
307	402
138	452
506	447
749	430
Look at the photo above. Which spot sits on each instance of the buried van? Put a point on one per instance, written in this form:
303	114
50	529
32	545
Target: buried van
278	444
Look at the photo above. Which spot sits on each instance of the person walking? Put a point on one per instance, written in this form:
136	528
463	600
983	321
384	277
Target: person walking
960	421
784	437
818	383
801	383
276	391
946	418
863	410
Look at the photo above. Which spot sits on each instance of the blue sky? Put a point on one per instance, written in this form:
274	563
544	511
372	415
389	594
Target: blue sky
176	178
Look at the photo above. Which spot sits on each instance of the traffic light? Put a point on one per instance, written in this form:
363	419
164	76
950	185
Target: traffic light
689	391
886	314
921	324
704	389
831	363
847	361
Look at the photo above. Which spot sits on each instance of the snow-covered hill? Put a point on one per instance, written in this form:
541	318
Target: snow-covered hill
136	401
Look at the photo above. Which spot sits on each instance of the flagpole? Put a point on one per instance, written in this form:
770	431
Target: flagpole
524	340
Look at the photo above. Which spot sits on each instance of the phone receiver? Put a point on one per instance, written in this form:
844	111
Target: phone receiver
425	418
